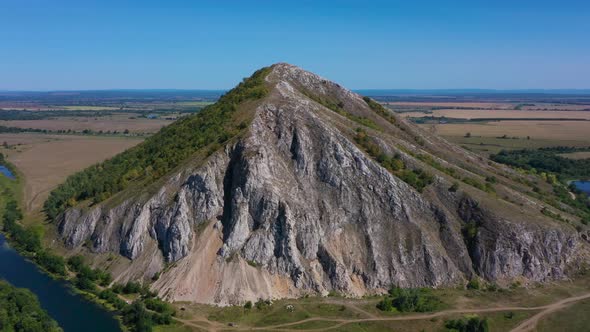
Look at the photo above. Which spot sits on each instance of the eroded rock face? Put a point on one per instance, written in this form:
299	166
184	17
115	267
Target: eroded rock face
296	207
126	227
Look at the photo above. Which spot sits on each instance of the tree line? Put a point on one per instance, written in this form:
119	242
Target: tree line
141	315
20	311
555	170
15	130
547	160
36	115
160	153
28	240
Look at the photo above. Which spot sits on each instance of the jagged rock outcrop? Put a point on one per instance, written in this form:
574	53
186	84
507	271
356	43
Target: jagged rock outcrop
295	206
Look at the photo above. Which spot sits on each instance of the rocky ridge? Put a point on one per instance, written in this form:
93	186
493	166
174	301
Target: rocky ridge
297	206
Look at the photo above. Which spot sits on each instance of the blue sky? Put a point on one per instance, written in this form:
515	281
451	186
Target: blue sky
53	45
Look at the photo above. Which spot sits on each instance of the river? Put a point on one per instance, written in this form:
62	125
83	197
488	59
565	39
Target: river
583	186
72	312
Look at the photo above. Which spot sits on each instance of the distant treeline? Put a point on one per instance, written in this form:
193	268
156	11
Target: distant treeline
14	115
464	96
109	97
13	130
41	115
547	160
439	119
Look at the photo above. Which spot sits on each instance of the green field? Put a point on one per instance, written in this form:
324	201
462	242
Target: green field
9	188
572	318
346	314
193	103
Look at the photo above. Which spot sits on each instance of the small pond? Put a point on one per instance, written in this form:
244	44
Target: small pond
583	186
4	170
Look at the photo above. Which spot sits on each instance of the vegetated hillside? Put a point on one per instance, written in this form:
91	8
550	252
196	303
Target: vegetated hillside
293	185
159	154
557	171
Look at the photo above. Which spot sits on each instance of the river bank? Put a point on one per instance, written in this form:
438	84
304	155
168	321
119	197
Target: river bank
72	311
74	284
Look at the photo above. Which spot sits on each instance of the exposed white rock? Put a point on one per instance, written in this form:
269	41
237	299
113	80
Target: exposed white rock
296	207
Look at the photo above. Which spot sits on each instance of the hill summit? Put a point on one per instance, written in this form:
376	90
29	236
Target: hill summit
293	185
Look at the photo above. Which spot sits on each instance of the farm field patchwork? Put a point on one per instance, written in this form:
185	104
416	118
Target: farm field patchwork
504	114
563	105
511	125
547	130
115	122
451	104
491	137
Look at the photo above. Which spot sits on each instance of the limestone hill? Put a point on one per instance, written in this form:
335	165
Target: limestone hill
291	185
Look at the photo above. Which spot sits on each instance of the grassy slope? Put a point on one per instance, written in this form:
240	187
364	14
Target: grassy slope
572	318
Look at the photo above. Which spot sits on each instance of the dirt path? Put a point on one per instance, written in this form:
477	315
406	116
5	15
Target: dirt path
352	306
527	325
207	324
531	323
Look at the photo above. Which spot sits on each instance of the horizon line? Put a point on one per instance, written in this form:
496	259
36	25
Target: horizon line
400	90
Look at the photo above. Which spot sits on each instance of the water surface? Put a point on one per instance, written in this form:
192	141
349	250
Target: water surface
583	186
6	172
72	312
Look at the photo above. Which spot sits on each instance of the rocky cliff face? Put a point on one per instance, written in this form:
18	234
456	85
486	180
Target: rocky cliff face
296	206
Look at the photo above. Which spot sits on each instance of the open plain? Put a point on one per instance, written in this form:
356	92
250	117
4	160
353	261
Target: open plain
47	160
110	123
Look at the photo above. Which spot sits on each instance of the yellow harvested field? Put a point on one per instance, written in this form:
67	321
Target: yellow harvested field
514	114
112	123
47	160
491	105
546	130
451	104
23	141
